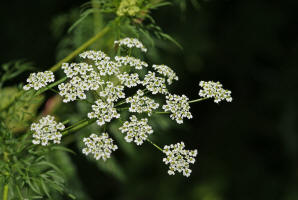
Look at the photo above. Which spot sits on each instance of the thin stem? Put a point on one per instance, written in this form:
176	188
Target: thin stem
53	90
161	112
5	192
155	145
65	122
75	124
80	49
121	109
78	127
198	100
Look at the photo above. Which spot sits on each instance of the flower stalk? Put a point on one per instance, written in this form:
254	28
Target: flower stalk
198	100
80	49
5	192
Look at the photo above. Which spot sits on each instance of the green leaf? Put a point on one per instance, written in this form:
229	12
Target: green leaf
62	148
168	37
45	189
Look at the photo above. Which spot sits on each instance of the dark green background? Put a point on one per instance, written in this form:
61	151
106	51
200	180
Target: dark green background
247	149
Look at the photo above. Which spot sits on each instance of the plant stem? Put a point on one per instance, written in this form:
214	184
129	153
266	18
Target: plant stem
198	100
161	112
79	126
65	122
5	192
155	145
80	49
121	109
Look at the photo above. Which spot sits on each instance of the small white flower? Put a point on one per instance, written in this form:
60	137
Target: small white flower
129	80
112	93
100	146
130	43
136	130
140	103
46	130
167	72
82	78
179	159
154	83
107	67
214	90
94	55
39	80
104	112
131	61
178	106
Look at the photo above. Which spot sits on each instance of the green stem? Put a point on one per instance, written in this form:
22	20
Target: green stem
161	112
80	49
5	192
198	100
53	90
75	124
155	145
121	109
65	122
79	126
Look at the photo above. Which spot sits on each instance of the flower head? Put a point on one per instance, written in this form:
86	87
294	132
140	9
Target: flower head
214	90
94	55
39	80
136	130
131	61
112	93
140	103
83	78
167	72
179	159
130	43
107	67
154	83
46	130
129	80
103	112
178	106
100	146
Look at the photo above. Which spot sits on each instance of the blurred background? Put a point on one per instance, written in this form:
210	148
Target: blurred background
248	149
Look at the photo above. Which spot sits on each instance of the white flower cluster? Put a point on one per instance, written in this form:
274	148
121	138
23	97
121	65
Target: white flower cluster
140	103
179	159
214	90
178	106
107	67
154	83
131	42
129	80
136	130
167	72
39	80
94	55
131	61
112	93
100	146
107	78
46	130
103	112
83	78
